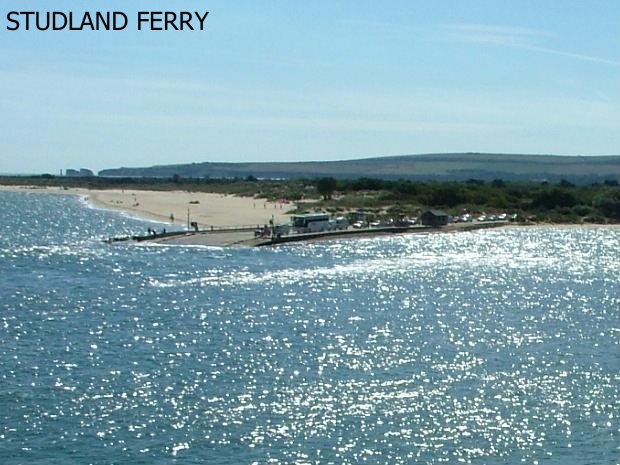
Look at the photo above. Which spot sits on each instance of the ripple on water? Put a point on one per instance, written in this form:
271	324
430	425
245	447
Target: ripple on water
486	347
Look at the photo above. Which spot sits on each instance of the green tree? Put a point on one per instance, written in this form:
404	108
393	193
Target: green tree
553	198
326	187
608	204
447	195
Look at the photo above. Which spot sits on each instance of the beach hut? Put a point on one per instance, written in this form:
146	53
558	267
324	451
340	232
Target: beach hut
435	218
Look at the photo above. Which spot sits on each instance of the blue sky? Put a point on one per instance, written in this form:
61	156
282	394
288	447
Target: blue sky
321	80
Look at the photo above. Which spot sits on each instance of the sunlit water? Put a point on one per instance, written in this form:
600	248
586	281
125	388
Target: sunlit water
485	347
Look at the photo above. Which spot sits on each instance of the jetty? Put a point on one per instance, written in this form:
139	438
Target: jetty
247	236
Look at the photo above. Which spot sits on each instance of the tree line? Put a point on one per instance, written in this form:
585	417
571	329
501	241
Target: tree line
563	201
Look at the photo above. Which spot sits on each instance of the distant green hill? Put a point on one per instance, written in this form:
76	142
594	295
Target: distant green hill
448	166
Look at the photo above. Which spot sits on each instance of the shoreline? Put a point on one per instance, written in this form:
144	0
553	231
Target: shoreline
212	212
174	207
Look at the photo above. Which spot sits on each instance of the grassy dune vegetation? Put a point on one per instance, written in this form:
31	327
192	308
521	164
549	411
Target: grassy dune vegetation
561	202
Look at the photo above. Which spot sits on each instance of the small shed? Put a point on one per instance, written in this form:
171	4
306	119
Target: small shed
434	218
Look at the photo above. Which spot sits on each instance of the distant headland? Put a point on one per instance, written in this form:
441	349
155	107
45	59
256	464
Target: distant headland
423	167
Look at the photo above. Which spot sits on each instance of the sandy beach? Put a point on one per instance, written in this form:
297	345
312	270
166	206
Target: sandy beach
206	209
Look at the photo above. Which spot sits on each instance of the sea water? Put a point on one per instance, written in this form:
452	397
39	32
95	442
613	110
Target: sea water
489	347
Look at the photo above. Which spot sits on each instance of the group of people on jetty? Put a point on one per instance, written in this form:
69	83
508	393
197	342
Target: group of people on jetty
153	232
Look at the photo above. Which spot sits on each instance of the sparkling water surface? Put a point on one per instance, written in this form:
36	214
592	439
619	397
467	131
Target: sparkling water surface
489	347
